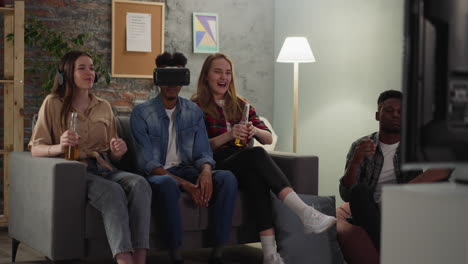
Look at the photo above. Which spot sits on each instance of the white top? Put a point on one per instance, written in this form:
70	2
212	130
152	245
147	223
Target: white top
387	175
172	157
221	103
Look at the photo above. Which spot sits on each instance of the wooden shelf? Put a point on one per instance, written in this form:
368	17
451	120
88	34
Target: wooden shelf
7	9
3	221
13	92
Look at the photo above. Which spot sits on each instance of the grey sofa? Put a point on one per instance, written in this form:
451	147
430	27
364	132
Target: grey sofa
48	209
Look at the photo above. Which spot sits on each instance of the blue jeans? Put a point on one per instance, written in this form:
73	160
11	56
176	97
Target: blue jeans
166	195
124	200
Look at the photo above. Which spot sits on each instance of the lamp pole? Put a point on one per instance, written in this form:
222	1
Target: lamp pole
295	50
295	101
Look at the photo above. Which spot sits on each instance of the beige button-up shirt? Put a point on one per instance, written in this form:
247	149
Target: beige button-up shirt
96	126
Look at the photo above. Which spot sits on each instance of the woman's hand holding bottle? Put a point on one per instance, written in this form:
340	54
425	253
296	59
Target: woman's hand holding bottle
240	132
71	138
252	130
69	141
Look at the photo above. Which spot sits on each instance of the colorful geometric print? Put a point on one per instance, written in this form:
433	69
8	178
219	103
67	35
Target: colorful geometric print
205	35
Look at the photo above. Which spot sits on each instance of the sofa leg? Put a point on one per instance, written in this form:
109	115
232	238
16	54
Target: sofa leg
14	248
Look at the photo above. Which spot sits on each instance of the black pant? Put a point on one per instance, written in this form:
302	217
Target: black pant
256	174
366	212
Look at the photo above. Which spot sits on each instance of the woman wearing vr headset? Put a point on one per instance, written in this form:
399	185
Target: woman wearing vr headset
256	172
122	198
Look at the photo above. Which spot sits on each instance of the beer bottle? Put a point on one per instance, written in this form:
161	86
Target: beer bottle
245	119
72	152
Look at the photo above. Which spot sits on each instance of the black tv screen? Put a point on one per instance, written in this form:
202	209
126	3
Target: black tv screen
435	84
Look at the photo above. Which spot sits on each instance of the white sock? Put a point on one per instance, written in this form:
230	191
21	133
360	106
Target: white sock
268	245
296	204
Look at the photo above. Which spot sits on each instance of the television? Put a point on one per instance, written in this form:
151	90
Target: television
435	85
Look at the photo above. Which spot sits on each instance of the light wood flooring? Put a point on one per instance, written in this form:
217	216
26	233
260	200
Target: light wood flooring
245	254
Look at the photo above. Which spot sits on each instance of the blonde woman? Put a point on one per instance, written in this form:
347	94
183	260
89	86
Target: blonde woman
256	172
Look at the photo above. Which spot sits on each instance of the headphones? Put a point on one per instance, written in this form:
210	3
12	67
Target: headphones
61	77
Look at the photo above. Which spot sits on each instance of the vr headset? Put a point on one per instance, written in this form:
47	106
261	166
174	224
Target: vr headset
171	76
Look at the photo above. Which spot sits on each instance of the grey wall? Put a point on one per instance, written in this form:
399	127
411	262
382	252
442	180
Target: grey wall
358	48
246	34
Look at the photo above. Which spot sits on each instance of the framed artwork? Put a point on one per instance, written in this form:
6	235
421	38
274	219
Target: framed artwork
205	33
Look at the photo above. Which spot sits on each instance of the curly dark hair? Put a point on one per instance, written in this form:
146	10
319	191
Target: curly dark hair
171	60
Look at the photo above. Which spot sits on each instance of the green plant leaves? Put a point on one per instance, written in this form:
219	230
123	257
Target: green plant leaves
54	45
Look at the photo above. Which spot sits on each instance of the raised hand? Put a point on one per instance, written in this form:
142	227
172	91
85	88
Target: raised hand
365	149
118	147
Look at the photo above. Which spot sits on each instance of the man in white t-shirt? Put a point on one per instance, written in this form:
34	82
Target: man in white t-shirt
374	161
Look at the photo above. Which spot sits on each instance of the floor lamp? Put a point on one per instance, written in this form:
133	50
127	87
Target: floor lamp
295	50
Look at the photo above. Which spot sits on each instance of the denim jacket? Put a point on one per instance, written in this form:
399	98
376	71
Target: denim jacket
149	123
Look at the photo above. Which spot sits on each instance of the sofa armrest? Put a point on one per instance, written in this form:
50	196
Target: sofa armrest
47	204
301	170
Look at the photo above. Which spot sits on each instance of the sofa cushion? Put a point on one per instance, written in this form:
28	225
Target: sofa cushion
128	161
271	146
297	247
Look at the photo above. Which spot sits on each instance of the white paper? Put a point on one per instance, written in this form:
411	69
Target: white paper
139	32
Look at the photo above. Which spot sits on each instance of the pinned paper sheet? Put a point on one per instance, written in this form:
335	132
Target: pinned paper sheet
139	32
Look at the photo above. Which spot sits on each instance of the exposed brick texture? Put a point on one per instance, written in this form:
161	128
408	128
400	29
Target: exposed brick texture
74	17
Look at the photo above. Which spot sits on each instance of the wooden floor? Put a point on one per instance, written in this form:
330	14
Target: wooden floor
245	254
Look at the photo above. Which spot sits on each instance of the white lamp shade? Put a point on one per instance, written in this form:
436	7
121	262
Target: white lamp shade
295	49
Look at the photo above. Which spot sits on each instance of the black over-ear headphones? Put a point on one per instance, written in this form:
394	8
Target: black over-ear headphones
96	77
61	77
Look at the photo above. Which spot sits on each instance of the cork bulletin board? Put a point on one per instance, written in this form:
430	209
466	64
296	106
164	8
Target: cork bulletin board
135	64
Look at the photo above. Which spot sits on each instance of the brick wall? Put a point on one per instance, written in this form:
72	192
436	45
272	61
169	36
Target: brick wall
74	17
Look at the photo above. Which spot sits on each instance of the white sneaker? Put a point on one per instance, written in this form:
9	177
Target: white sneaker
316	222
273	259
